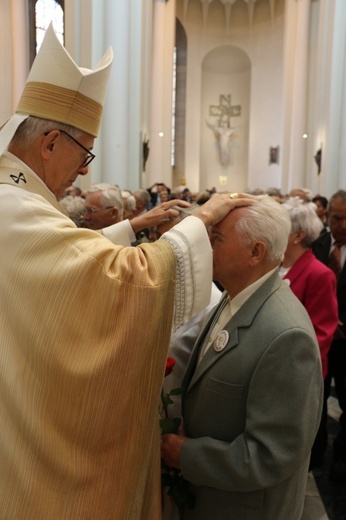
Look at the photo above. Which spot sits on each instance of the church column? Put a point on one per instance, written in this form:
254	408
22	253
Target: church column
295	93
330	103
13	55
160	112
121	151
93	26
341	180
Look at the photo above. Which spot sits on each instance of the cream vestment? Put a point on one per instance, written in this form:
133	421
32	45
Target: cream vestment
84	328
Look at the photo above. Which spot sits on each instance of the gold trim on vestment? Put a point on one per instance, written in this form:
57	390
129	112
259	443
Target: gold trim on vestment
61	104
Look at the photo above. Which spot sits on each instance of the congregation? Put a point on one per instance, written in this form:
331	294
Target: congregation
128	204
105	204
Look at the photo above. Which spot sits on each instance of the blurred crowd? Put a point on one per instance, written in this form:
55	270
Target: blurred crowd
105	204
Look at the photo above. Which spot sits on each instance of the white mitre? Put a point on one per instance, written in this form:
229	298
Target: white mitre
59	90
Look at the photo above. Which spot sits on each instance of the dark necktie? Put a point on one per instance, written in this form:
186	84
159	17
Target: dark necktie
335	260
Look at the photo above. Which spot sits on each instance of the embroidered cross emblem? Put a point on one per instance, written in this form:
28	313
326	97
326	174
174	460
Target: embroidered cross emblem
19	178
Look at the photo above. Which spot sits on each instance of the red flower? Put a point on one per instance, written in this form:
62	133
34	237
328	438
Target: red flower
170	362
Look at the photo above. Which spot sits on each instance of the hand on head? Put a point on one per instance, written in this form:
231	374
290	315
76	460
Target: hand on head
220	204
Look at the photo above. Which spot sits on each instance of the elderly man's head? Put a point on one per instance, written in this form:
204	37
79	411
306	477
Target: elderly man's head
337	216
248	243
129	203
58	153
103	206
142	200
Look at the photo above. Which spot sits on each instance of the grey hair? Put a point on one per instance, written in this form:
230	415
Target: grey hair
268	222
274	192
254	191
340	194
32	127
303	217
74	207
130	200
306	191
143	195
110	195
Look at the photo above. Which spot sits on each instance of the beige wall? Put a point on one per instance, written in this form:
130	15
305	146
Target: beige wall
257	88
236	83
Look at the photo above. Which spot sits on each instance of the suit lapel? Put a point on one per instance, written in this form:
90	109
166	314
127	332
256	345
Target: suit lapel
193	361
342	278
212	356
243	318
321	249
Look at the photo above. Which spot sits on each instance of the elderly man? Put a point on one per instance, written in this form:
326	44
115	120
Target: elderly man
129	204
253	386
330	248
103	206
103	209
142	201
84	324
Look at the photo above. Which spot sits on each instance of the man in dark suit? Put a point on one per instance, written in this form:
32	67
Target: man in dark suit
252	391
325	248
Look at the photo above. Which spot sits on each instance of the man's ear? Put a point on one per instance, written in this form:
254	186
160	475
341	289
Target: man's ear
259	250
48	144
115	213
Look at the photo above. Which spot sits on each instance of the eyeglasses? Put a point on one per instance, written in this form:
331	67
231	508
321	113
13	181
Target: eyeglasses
90	157
94	210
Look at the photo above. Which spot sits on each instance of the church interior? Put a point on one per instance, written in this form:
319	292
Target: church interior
227	94
264	77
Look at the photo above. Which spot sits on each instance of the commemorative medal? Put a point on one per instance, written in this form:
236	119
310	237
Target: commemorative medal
221	340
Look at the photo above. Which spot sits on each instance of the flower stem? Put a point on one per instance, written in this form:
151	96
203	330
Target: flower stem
164	403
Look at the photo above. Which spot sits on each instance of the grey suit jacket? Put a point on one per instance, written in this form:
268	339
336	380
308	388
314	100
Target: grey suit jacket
252	412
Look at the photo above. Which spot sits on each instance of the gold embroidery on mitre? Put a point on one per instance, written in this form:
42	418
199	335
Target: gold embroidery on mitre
61	104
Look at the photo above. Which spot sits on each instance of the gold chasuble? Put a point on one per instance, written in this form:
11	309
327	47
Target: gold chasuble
84	328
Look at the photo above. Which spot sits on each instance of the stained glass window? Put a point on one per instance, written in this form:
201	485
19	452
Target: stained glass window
45	12
41	13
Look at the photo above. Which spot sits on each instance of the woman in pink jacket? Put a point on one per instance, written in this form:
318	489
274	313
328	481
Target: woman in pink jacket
314	284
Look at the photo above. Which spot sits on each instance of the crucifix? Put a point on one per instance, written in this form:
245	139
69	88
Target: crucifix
224	111
222	127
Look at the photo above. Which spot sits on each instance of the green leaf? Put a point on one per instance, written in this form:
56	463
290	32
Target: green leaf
176	391
170	425
166	399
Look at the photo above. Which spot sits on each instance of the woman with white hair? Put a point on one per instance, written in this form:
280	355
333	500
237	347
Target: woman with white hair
314	284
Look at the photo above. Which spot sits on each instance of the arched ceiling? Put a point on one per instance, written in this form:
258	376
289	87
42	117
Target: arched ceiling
228	5
228	59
